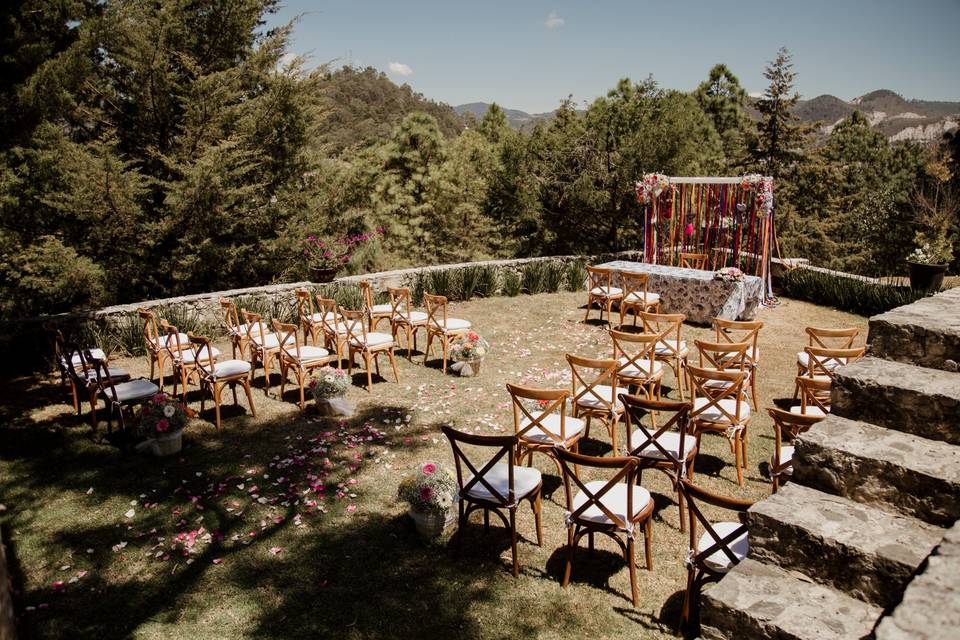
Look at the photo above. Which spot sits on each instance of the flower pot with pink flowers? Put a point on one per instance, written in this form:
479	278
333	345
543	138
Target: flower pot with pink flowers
326	257
467	353
431	494
162	419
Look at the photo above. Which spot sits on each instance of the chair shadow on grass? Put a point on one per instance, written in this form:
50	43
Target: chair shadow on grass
592	567
666	621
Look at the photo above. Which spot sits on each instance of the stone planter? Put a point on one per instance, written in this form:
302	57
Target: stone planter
322	275
337	406
167	445
430	524
467	368
926	277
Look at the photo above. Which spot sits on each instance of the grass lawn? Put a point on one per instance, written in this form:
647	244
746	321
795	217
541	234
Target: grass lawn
297	529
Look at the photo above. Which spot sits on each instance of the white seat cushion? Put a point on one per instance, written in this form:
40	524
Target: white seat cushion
187	356
96	354
638	296
381	308
669	345
374	339
230	368
606	291
171	342
413	317
319	316
525	480
341	327
812	410
309	353
272	340
752	356
829	364
116	374
615	500
591	401
135	390
669	440
242	329
571	428
453	324
786	456
632	371
713	414
718	560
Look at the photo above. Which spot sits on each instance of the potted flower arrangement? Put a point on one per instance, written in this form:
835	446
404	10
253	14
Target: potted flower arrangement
729	274
326	257
431	494
929	261
467	353
162	420
329	388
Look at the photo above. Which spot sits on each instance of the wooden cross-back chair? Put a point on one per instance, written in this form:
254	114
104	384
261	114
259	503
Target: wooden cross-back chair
182	357
719	407
825	339
76	373
375	312
310	320
301	359
786	427
593	393
823	363
117	396
442	327
333	327
214	375
693	260
636	297
637	364
668	447
369	344
814	396
737	331
155	343
236	331
403	318
671	348
264	346
724	356
721	547
600	291
614	506
540	422
498	484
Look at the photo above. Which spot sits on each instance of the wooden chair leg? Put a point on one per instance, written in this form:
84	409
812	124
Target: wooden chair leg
586	316
753	387
537	511
366	361
513	542
737	451
648	542
570	549
216	401
393	365
687	596
446	345
303	400
247	390
632	568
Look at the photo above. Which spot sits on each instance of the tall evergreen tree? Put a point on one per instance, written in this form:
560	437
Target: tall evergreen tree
722	98
779	139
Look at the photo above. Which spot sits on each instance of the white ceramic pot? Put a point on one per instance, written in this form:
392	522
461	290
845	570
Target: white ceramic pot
338	406
431	524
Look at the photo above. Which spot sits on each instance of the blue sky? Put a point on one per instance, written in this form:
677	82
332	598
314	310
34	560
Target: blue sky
530	54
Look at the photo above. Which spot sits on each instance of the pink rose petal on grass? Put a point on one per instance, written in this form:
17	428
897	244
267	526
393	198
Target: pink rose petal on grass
276	550
217	561
351	508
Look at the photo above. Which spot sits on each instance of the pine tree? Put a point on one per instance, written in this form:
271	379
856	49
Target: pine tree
779	139
722	98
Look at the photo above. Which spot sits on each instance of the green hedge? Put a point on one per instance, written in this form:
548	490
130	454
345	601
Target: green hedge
846	294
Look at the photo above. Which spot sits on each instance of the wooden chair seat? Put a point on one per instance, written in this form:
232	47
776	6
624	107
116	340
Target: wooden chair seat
454	325
708	411
605	400
803	360
526	480
77	361
135	390
309	354
380	308
229	369
669	440
607	292
669	347
168	341
718	561
808	411
786	460
371	339
268	341
414	317
649	298
614	500
573	428
187	356
633	371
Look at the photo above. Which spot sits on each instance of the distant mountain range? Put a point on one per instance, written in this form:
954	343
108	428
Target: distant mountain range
898	118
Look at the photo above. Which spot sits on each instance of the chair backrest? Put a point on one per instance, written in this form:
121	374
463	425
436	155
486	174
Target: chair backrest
304	306
728	385
503	446
814	392
546	402
621	470
786	423
330	315
831	338
151	335
171	339
231	319
668	325
739	331
634	283
367	291
634	351
824	362
79	368
436	311
731	356
102	375
693	260
636	408
353	320
203	355
64	360
400	302
289	340
598	277
589	373
697	496
255	326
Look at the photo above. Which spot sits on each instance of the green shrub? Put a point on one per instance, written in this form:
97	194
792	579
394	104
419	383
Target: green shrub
510	283
553	276
469	282
576	275
253	304
488	282
125	335
533	277
348	296
419	284
846	294
443	282
185	318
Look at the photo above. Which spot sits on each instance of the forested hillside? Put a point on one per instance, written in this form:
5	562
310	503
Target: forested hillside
162	148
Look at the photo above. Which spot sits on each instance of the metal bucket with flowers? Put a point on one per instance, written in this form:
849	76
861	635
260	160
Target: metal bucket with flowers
467	353
329	388
431	495
162	419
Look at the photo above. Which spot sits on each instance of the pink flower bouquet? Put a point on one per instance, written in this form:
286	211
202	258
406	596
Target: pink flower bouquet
431	489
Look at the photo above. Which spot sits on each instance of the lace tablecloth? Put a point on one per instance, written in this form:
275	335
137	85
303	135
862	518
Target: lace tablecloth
695	293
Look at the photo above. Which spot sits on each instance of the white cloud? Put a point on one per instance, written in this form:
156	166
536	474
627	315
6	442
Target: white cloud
400	69
553	21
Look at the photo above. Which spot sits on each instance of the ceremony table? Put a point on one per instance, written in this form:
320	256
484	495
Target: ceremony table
694	292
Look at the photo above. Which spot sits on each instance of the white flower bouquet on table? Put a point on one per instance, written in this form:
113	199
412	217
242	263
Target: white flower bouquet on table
329	388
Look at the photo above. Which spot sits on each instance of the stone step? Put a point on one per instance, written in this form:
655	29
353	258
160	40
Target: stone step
863	551
925	333
890	469
930	609
767	602
917	400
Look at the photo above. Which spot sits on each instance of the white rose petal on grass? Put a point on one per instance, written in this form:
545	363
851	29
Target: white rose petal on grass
130	513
